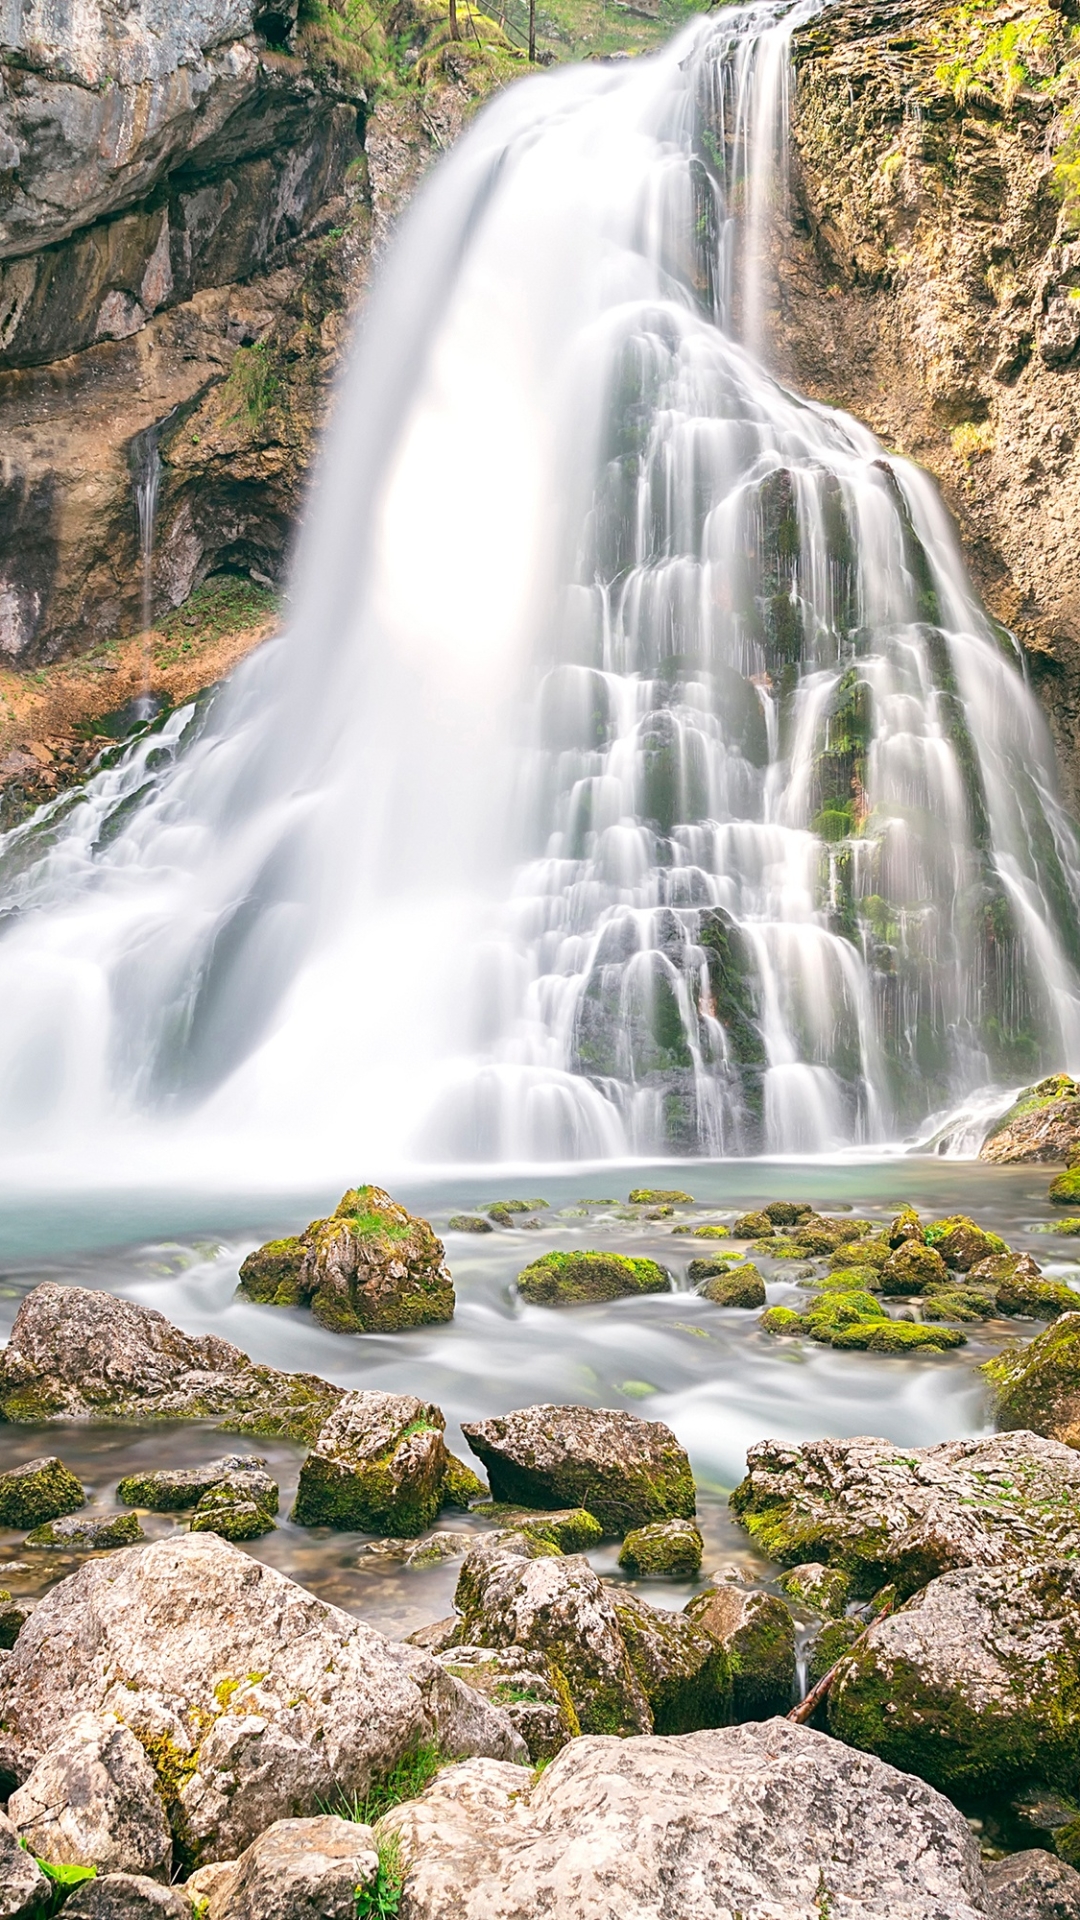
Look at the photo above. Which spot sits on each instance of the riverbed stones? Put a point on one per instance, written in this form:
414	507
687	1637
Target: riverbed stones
970	1684
1033	1885
232	1513
576	1279
309	1869
913	1268
92	1800
758	1819
369	1267
883	1513
625	1471
87	1533
37	1491
572	1529
1064	1188
685	1673
172	1489
529	1688
670	1547
751	1226
1043	1124
1038	1386
253	1700
757	1635
823	1589
740	1286
961	1243
76	1353
555	1605
24	1890
1019	1287
377	1466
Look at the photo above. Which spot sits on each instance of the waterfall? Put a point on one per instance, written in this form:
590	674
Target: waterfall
638	774
144	459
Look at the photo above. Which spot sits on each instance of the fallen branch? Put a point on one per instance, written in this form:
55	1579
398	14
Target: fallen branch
810	1702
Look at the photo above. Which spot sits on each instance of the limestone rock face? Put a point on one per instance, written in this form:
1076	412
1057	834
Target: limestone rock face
371	1267
38	1491
757	1634
93	1801
883	1514
624	1470
127	1896
378	1465
78	1354
768	1819
1038	1386
967	1684
531	1690
299	1870
253	1699
24	1889
1034	1886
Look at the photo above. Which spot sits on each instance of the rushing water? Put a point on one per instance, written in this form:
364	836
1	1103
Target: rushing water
639	772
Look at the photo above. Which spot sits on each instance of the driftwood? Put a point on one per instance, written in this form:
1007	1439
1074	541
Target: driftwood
810	1702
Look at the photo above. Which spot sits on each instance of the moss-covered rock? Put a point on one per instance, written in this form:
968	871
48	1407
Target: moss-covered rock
740	1286
624	1470
660	1197
232	1511
1042	1125
14	1615
823	1589
272	1274
912	1268
378	1466
469	1223
787	1213
784	1320
173	1489
528	1686
872	1251
905	1225
575	1279
38	1491
752	1226
370	1267
1024	1291
571	1531
828	1314
829	1646
461	1487
667	1546
961	1243
83	1533
685	1673
898	1336
959	1303
846	1280
757	1633
1038	1386
711	1231
1064	1190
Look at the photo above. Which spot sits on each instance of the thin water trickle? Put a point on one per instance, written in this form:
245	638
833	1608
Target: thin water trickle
145	462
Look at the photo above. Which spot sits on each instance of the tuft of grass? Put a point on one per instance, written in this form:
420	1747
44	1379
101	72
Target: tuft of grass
411	1774
381	1900
972	438
252	386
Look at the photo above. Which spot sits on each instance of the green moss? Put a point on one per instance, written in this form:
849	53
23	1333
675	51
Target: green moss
912	1268
706	1233
959	1303
829	1646
898	1336
174	1766
461	1486
784	1320
39	1491
469	1223
752	1226
572	1531
868	1252
685	1677
1064	1190
369	1498
739	1287
1038	1385
660	1197
666	1547
123	1531
272	1274
573	1279
232	1514
846	1280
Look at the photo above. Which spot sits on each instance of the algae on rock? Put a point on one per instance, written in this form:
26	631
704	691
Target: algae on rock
370	1267
378	1466
571	1279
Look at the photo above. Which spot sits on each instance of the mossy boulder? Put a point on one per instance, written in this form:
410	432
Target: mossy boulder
904	1226
461	1487
961	1243
378	1466
829	1646
913	1268
1024	1291
711	1231
898	1336
576	1279
84	1533
845	1280
685	1673
1042	1125
787	1213
828	1314
740	1286
173	1489
959	1303
624	1470
666	1547
1064	1190
869	1252
823	1589
975	1684
233	1512
904	1515
1038	1386
528	1686
752	1226
38	1491
509	1213
660	1197
571	1531
469	1223
370	1267
784	1320
757	1633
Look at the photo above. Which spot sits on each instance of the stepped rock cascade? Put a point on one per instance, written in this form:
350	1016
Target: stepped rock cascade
639	772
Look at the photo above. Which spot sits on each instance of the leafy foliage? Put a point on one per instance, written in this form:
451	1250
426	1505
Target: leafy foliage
381	1900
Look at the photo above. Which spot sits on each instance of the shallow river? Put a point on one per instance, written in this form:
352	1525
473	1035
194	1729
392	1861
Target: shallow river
709	1372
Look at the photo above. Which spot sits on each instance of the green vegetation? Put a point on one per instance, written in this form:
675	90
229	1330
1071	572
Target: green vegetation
403	1781
572	1279
226	603
62	1878
252	386
381	1900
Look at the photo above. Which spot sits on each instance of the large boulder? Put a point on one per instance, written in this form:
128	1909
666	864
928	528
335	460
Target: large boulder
370	1267
970	1684
1034	1886
24	1890
574	1279
128	1896
1043	1124
509	1594
78	1354
37	1491
624	1470
377	1466
685	1673
299	1870
527	1685
93	1800
757	1635
961	1243
172	1489
904	1515
1038	1386
768	1819
253	1700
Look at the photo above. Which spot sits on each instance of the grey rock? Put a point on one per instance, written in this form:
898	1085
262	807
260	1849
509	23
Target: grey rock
768	1819
377	1465
437	1635
665	1547
23	1887
905	1514
127	1896
299	1870
527	1685
757	1634
171	1489
823	1589
623	1470
965	1685
210	1883
93	1801
1034	1886
79	1354
87	1533
685	1673
254	1699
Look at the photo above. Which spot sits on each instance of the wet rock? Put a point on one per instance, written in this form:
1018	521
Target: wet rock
14	1615
172	1489
624	1470
127	1896
24	1890
1038	1386
913	1268
79	1354
757	1634
556	1606
738	1287
572	1279
905	1226
253	1700
232	1513
751	1226
769	1819
850	1319
685	1673
300	1869
571	1531
884	1513
824	1589
871	1252
527	1686
378	1466
81	1533
1042	1125
1026	1292
829	1647
961	1243
786	1213
964	1686
437	1548
461	1486
660	1197
667	1546
1034	1886
92	1800
371	1267
1064	1189
959	1303
505	1213
899	1336
436	1636
38	1491
469	1223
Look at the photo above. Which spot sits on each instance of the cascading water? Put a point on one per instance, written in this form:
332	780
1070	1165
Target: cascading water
639	772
